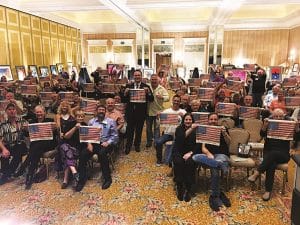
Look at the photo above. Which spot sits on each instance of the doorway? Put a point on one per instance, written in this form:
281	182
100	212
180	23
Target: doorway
163	59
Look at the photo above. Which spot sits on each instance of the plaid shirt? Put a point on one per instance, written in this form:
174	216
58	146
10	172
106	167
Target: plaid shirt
10	134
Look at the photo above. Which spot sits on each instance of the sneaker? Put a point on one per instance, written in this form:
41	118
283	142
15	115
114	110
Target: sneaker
214	203
225	199
158	163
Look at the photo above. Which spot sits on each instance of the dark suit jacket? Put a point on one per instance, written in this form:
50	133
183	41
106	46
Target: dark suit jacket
136	109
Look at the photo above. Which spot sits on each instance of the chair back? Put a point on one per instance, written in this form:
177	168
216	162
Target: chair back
253	126
226	122
238	136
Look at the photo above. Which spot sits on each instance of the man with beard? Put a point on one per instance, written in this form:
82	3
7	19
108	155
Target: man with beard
108	138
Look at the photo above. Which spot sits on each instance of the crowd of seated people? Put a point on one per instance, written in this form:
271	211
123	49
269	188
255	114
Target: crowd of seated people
184	154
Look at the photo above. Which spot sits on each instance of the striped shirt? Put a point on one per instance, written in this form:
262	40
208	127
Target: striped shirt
12	134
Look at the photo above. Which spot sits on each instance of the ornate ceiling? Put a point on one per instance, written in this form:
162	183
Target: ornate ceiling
161	15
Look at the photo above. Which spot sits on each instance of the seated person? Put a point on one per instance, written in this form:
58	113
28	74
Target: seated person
275	152
10	97
217	158
169	131
115	114
70	147
278	103
12	142
184	148
38	148
108	138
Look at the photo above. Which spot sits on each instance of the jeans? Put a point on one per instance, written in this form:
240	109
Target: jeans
151	121
159	144
220	161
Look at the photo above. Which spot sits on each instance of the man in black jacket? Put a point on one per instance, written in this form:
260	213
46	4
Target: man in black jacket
135	110
258	87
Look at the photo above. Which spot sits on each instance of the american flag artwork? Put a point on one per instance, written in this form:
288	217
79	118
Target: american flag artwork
226	109
206	94
200	117
89	134
40	131
292	102
88	106
174	85
289	82
169	119
88	87
234	85
208	134
28	89
248	112
108	88
137	95
66	96
281	129
194	82
214	84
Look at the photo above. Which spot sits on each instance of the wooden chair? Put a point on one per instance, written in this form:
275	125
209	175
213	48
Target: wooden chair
242	136
253	126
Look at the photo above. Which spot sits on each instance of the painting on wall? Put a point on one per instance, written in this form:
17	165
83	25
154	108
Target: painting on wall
6	71
33	69
60	67
148	72
44	71
21	72
295	67
53	70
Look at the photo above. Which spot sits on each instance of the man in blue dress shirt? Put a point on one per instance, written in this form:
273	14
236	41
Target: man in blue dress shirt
108	138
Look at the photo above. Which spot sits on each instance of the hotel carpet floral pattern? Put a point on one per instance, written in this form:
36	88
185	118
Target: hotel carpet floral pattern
141	193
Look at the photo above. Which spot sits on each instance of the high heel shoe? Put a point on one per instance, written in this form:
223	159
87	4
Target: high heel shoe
253	177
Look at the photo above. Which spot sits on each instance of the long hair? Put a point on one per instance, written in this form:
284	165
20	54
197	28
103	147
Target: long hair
62	104
185	115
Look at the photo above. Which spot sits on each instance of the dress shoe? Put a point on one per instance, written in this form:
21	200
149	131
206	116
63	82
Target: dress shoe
149	144
127	150
187	196
179	192
137	148
214	203
266	196
225	199
64	185
79	187
106	184
3	179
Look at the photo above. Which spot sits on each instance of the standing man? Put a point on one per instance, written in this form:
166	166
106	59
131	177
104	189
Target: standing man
12	142
161	95
258	87
108	138
135	111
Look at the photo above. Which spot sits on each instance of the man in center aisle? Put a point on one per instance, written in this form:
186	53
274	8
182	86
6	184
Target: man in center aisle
136	110
161	95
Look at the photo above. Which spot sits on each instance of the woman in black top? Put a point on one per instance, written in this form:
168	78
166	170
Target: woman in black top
38	148
275	152
184	147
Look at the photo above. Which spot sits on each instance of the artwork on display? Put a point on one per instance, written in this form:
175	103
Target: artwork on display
44	71
148	72
242	74
118	69
21	72
60	67
295	67
6	71
33	69
275	73
53	70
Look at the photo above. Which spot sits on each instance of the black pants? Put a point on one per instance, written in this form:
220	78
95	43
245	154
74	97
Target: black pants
84	157
184	171
257	99
36	151
268	165
16	152
134	129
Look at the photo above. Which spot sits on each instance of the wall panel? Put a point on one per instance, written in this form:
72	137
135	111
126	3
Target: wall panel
27	48
62	51
37	48
294	45
4	59
46	50
265	47
54	50
69	51
15	50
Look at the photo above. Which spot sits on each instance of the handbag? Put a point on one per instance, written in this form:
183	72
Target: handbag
244	150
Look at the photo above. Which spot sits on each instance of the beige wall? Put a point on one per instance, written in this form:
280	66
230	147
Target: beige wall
294	43
29	40
265	47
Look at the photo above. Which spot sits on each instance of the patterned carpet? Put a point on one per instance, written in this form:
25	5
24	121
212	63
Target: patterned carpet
141	193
